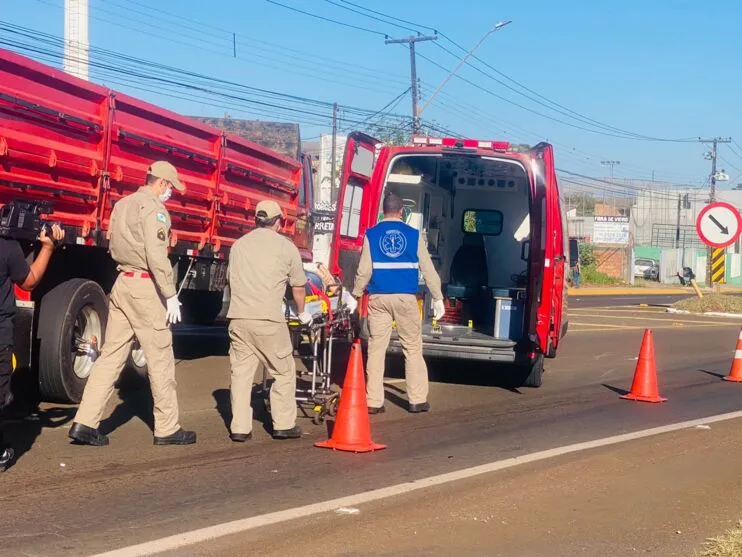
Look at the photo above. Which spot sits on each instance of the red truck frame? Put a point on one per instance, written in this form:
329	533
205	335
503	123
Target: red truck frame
82	147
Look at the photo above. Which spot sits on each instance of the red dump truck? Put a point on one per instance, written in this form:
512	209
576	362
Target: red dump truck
75	148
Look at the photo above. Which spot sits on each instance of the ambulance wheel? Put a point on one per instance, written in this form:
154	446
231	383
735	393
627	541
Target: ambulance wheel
71	314
532	374
551	351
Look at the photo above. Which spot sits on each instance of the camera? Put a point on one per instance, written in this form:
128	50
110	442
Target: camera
21	220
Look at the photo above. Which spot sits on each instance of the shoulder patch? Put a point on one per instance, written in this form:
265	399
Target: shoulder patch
160	216
161	234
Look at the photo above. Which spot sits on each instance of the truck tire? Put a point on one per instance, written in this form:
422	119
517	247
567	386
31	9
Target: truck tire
76	309
137	361
201	307
531	375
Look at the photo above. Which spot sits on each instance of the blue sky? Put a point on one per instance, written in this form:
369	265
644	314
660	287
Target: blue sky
663	68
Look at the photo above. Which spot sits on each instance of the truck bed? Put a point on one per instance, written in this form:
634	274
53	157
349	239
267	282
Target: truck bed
82	147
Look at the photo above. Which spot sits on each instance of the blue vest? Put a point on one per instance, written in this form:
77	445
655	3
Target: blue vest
393	247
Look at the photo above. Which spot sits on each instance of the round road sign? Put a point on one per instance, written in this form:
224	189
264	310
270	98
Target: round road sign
719	224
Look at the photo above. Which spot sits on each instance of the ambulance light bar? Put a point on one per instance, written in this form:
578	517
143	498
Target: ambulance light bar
461	143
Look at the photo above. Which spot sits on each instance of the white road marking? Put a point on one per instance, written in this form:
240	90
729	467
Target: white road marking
242	525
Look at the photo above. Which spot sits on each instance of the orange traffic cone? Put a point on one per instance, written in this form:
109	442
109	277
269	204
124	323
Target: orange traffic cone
735	374
644	388
352	431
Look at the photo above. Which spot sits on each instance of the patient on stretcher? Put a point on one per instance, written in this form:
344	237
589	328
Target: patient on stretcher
320	278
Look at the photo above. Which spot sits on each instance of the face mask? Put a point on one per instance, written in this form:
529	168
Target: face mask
166	195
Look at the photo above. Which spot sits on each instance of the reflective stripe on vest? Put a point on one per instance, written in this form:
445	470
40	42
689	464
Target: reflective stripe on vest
396	265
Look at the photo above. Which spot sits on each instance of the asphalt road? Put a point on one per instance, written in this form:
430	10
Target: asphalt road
62	500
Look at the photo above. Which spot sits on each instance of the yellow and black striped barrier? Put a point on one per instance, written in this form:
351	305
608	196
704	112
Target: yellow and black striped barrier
718	265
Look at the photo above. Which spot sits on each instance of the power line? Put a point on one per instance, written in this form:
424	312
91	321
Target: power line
329	20
560	108
294	53
389	16
372	17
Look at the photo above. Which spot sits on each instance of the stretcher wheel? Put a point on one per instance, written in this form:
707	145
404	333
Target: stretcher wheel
319	415
331	406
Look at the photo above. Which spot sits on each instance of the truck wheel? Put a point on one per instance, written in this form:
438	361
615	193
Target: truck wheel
531	375
72	316
137	361
201	307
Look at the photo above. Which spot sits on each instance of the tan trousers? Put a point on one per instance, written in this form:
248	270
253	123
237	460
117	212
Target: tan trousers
135	309
254	342
382	310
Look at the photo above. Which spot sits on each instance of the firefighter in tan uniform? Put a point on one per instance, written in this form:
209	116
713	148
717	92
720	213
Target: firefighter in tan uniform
143	304
261	264
392	256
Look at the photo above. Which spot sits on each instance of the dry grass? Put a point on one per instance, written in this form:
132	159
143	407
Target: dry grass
727	545
711	303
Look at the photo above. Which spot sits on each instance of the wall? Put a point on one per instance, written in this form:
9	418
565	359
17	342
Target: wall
613	261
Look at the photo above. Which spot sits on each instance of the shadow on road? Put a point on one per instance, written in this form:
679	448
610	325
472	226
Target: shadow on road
134	403
619	391
712	373
23	427
260	412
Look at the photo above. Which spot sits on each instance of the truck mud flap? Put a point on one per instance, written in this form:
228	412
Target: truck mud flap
23	325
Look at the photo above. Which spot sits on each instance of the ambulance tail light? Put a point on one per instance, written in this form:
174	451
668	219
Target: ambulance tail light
461	143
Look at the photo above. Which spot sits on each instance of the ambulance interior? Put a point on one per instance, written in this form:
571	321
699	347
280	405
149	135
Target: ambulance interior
473	213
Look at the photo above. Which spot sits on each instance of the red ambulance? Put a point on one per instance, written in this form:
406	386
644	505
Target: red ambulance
491	216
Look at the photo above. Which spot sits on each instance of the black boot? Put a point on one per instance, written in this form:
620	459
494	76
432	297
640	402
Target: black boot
293	433
180	437
85	435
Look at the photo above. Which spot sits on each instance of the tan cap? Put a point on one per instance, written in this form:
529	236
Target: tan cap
166	171
267	209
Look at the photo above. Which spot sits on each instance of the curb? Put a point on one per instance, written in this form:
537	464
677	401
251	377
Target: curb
639	291
628	291
707	314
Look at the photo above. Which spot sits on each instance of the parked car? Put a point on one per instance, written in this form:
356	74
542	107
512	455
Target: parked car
648	269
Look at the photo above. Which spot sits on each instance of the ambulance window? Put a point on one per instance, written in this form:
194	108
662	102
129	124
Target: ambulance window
362	162
480	221
350	220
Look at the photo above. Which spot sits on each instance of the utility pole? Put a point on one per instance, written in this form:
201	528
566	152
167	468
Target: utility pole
677	224
712	155
611	164
410	41
333	155
76	45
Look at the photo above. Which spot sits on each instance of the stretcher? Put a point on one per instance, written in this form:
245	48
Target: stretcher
316	395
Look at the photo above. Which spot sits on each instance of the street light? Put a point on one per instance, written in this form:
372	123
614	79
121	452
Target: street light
461	62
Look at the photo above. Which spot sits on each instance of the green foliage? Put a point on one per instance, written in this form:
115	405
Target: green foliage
590	275
587	255
396	132
470	222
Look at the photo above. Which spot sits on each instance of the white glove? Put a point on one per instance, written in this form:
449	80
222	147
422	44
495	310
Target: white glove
173	310
305	318
352	303
439	310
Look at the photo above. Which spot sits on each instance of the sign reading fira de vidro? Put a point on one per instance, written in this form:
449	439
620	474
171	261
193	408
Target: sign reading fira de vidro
611	230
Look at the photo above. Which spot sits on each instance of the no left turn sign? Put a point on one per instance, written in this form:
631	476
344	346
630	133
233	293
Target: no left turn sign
719	224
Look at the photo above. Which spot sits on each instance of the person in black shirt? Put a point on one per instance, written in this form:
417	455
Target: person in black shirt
14	270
